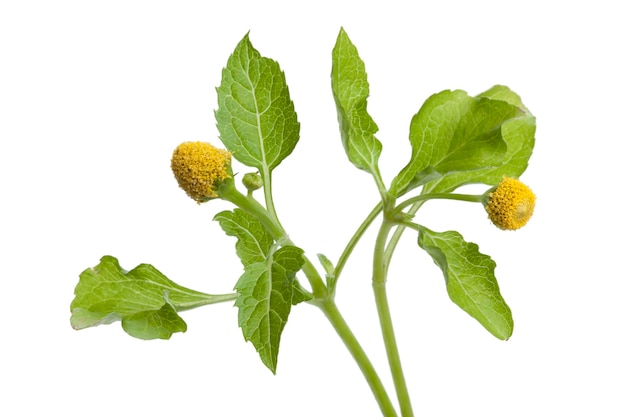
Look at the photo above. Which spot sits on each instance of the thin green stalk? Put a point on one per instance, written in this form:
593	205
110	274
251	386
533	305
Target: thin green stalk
397	234
209	299
251	206
314	278
415	203
329	308
386	324
269	199
447	196
355	239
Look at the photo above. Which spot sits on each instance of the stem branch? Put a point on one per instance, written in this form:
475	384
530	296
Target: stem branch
447	196
329	308
384	315
355	239
270	222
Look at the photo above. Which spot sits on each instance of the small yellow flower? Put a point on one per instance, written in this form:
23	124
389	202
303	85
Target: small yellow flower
510	205
200	168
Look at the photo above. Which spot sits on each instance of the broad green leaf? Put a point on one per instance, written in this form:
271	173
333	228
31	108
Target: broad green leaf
351	90
143	299
253	241
266	294
256	117
470	279
519	135
154	324
431	132
504	93
454	133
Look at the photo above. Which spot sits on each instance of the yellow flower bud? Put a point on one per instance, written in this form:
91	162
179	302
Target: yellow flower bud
510	205
200	168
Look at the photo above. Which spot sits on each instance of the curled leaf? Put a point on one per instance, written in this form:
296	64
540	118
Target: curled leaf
143	299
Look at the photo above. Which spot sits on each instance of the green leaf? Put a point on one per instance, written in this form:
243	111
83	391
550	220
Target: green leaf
300	294
431	132
154	324
470	279
504	93
519	135
253	241
266	292
455	134
350	90
329	268
256	117
143	299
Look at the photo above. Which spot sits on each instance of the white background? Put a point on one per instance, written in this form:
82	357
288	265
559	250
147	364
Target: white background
94	96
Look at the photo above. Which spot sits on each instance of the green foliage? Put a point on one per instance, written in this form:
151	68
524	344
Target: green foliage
144	299
350	90
519	135
266	291
469	279
258	124
256	117
457	139
154	324
253	241
329	269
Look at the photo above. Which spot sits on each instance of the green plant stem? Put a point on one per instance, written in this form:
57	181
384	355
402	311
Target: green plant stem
354	240
397	234
209	299
415	203
322	298
251	206
384	316
333	315
447	196
269	200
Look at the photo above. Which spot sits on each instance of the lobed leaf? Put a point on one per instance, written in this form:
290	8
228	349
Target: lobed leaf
351	90
266	293
253	241
143	299
256	117
470	279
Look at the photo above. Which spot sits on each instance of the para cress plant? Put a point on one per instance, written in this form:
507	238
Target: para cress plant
456	140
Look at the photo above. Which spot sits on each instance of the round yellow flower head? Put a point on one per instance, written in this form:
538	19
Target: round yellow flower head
200	168
510	205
